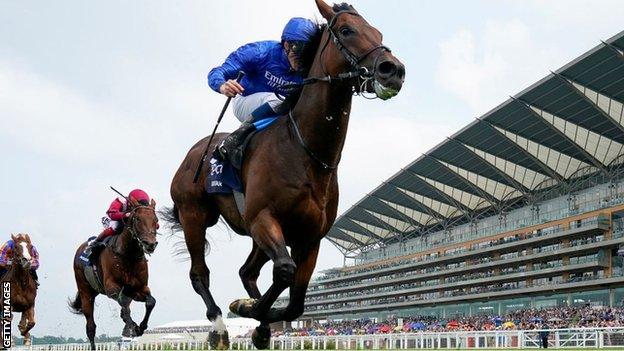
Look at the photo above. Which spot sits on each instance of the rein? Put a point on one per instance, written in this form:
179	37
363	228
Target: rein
357	71
133	233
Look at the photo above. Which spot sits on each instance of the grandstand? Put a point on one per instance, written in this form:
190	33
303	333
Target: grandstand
521	209
195	330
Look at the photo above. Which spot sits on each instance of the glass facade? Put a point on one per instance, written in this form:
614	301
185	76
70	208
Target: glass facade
597	197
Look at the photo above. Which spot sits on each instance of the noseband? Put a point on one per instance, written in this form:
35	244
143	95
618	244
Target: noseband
132	229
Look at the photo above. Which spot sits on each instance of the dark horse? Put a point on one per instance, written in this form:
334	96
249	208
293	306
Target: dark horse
289	174
23	286
122	268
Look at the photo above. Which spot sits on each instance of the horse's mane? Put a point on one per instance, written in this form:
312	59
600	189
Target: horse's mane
308	54
306	60
343	7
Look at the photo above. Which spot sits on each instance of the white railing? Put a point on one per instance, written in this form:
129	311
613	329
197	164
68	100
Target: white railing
589	338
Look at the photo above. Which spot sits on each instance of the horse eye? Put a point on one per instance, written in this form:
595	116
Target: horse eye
346	31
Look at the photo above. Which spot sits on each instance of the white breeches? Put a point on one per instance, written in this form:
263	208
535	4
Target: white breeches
243	106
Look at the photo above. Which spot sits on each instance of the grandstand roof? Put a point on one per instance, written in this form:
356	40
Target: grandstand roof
566	126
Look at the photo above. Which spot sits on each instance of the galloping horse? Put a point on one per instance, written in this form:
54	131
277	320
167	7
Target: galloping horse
123	272
289	174
23	286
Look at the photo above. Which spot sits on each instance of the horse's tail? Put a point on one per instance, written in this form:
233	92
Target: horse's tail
171	216
75	305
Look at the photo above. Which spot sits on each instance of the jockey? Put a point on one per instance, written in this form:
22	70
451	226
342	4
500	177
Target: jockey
113	224
6	259
267	65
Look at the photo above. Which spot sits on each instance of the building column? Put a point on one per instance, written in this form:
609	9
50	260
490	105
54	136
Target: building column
565	260
496	257
612	297
529	268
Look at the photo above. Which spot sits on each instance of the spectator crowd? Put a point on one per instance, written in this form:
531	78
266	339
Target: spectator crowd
525	319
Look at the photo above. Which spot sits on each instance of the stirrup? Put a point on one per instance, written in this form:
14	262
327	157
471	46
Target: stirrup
93	249
221	151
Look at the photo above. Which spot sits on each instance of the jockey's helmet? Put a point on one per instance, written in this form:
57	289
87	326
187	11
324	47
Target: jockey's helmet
140	195
299	29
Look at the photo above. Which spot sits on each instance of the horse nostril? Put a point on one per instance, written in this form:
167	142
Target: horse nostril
386	68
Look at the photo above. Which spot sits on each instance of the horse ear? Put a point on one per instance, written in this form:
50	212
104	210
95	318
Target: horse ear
13	237
153	203
326	11
27	238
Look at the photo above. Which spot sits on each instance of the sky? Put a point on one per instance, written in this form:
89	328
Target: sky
99	93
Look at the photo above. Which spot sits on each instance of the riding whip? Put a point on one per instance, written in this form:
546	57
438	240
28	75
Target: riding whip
205	154
118	192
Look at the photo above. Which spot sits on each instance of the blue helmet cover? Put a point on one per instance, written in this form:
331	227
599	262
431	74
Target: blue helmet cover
299	29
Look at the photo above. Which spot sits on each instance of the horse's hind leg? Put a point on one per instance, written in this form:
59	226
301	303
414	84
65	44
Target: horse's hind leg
87	301
194	222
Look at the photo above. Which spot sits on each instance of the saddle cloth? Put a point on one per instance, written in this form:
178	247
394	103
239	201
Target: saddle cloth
91	271
223	177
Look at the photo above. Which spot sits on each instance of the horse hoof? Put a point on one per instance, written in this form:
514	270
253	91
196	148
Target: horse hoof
261	337
219	340
141	329
242	307
130	330
137	331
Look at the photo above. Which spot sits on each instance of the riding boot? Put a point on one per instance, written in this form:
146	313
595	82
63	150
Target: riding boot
230	147
33	273
97	245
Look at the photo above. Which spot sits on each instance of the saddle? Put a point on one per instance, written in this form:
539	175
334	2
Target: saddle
225	176
91	270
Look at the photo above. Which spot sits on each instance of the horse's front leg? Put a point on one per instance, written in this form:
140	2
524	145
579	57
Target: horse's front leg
306	261
150	303
28	320
21	326
131	328
250	271
267	233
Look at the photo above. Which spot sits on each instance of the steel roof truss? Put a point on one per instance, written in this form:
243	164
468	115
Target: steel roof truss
580	149
549	171
509	178
480	192
568	82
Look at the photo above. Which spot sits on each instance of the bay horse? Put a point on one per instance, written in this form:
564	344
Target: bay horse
123	270
23	285
288	173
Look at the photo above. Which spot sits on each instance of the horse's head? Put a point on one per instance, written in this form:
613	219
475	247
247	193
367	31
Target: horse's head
22	250
357	48
143	224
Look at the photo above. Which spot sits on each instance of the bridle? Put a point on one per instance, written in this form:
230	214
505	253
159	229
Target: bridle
132	229
353	59
357	71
